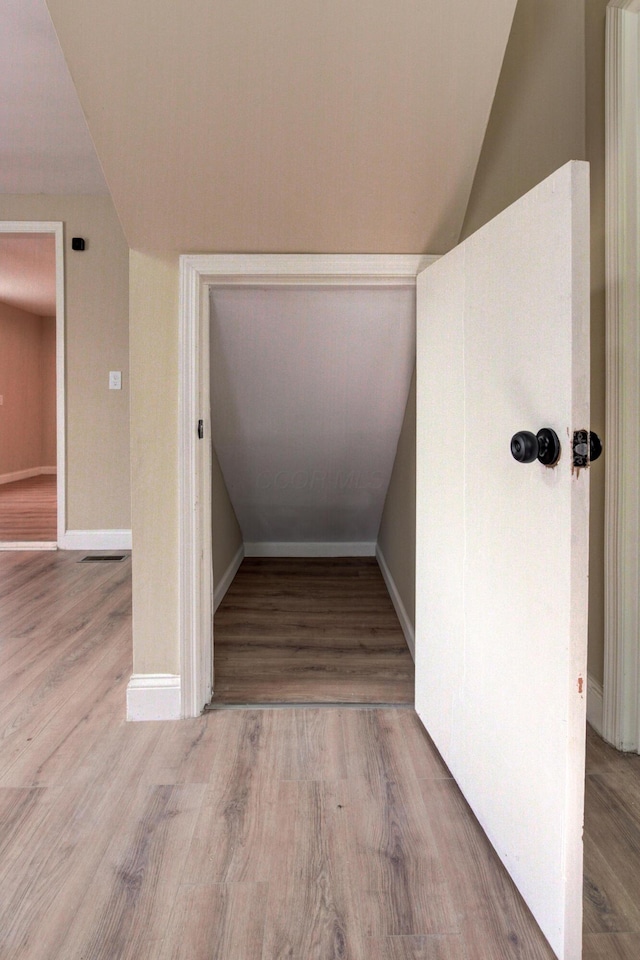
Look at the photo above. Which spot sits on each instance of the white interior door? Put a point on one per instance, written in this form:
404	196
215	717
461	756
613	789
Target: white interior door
502	546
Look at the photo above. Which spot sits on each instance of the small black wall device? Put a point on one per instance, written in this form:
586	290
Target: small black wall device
77	243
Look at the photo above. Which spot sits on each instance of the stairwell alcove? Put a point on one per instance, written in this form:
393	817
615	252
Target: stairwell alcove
228	281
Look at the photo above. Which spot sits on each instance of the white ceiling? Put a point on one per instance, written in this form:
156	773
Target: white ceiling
309	388
28	272
45	146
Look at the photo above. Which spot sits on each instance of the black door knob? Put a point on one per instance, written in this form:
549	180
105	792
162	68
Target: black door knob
524	446
543	446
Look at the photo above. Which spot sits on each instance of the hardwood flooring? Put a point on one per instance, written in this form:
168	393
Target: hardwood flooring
612	853
28	510
305	833
309	631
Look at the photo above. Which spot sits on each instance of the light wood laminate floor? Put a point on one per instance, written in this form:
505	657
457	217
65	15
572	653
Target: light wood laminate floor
28	510
303	833
308	631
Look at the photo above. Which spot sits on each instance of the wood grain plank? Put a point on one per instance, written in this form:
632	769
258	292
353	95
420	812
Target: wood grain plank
185	753
612	835
416	948
311	910
27	716
133	890
217	922
386	744
397	873
329	791
42	884
491	914
617	946
233	835
29	509
56	752
320	630
314	745
21	811
65	633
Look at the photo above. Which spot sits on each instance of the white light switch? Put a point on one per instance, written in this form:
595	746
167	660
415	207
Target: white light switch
115	380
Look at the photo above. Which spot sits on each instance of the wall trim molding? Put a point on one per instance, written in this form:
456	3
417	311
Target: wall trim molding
55	227
621	694
396	599
197	274
27	474
28	545
594	704
153	696
310	549
225	581
96	540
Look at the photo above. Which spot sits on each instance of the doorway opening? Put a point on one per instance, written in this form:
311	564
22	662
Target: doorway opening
309	386
32	421
197	469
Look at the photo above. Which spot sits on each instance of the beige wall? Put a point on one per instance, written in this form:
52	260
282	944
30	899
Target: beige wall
397	536
23	421
226	533
96	324
548	109
537	120
154	462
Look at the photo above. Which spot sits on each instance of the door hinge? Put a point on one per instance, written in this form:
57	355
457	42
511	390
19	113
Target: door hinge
587	447
200	429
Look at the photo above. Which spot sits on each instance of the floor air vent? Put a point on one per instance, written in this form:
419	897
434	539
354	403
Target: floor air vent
104	558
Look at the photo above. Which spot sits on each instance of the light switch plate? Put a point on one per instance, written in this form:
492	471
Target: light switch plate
115	380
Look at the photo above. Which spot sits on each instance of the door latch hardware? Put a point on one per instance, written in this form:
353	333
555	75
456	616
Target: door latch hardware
543	446
587	447
200	429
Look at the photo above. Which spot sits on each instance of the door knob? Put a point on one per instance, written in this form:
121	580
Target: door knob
543	446
587	447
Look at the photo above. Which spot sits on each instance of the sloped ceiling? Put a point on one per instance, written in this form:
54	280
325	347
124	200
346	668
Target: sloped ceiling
45	145
341	126
308	389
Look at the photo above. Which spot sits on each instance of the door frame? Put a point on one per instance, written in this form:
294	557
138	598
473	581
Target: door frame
197	274
56	229
621	688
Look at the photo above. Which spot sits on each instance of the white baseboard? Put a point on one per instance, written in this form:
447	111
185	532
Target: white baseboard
225	581
26	474
153	696
403	617
594	704
311	549
28	545
95	540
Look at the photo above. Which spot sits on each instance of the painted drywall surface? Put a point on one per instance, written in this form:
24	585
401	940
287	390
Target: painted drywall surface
397	535
549	108
285	127
154	462
309	388
48	387
21	387
226	534
537	120
96	282
28	272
